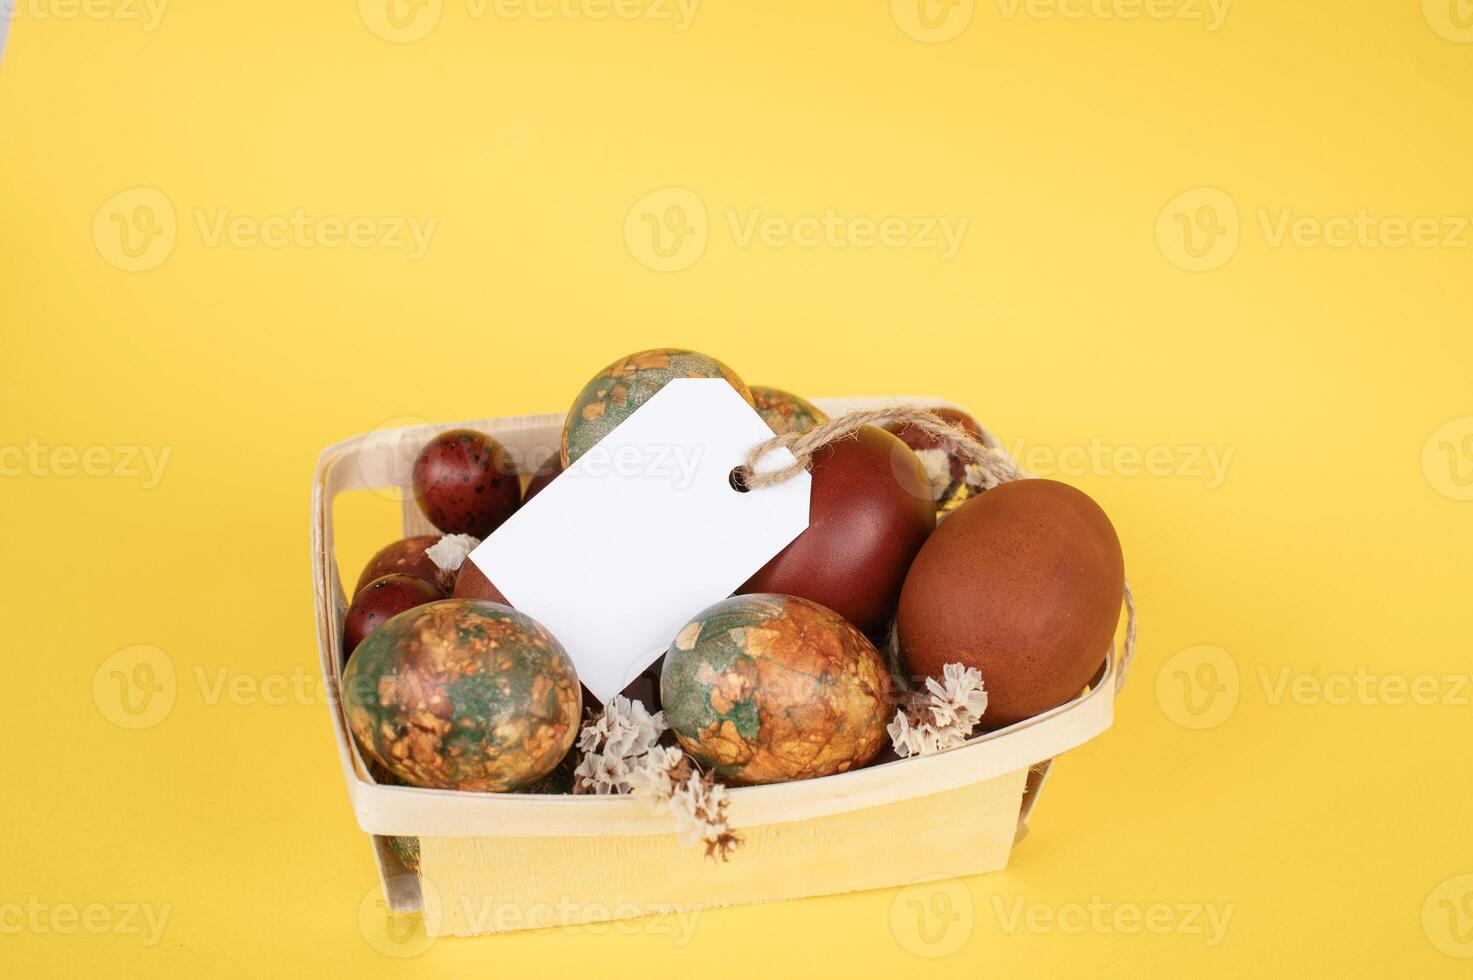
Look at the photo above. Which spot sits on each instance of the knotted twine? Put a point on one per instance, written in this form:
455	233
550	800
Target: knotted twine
995	466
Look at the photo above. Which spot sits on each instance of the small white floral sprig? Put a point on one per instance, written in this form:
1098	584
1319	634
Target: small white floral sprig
614	744
621	755
942	717
669	780
450	552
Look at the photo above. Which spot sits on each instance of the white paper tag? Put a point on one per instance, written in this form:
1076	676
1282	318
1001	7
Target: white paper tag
645	530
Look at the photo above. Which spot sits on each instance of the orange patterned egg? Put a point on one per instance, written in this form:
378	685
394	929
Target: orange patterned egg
767	688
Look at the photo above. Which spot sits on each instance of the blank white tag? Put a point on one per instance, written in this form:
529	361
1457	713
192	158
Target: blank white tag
645	530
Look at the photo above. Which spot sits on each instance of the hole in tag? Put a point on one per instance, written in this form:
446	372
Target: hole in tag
738	479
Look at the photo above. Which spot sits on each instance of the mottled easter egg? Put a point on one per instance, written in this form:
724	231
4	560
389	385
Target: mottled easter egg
869	512
406	555
953	476
462	694
615	392
382	600
1024	583
406	849
465	483
784	411
767	688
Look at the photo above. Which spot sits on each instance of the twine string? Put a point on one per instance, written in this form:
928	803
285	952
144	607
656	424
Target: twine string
994	465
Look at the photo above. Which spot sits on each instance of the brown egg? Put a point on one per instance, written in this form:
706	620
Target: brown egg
381	600
465	483
1025	584
869	514
472	583
541	480
406	555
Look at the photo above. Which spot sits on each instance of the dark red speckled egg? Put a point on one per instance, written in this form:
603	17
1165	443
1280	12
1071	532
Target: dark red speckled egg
406	555
465	483
1024	583
869	514
381	600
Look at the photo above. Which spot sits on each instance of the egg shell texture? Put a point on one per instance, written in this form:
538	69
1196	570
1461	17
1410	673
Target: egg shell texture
784	411
869	513
382	600
1024	583
465	483
619	389
462	694
768	688
406	555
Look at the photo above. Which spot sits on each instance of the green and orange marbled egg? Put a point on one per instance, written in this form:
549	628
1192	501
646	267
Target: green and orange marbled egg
784	411
766	688
615	392
463	694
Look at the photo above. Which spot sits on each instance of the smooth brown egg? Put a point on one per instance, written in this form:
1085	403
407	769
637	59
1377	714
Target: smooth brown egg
540	480
1024	583
472	583
870	512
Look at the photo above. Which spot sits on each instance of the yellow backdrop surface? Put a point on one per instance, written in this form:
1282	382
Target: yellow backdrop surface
1210	262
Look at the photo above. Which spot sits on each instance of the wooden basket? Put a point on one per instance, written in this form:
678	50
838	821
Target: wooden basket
493	862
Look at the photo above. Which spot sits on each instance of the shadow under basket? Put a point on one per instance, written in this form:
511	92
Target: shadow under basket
496	862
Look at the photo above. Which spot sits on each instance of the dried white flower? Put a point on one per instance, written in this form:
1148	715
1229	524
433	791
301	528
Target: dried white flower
620	755
944	716
613	744
938	470
450	552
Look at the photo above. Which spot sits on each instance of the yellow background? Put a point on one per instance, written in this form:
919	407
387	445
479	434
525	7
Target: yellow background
1333	542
